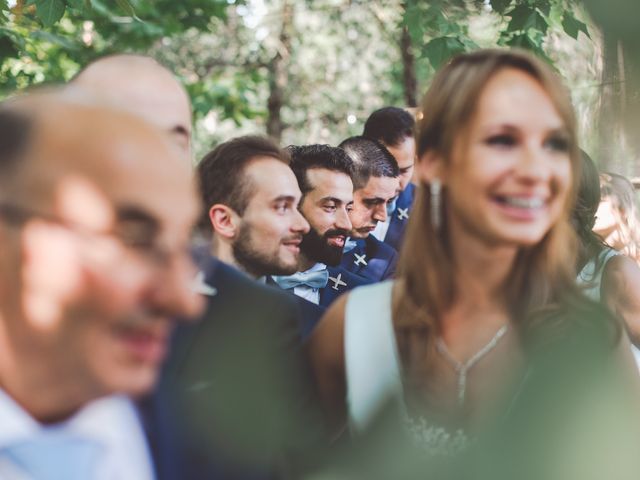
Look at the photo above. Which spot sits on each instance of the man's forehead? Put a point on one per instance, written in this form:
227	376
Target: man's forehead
272	178
329	180
381	187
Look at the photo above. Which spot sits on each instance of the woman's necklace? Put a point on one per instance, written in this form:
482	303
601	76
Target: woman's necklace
463	368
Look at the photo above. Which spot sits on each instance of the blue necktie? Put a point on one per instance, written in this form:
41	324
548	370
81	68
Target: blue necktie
349	245
56	456
391	206
316	279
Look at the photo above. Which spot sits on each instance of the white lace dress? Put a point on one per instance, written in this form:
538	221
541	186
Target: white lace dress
373	371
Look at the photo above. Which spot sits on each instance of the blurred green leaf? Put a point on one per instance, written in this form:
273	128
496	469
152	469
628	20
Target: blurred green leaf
440	50
50	11
573	26
126	7
524	17
500	5
543	5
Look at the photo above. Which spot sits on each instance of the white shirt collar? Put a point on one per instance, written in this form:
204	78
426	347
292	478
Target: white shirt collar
112	421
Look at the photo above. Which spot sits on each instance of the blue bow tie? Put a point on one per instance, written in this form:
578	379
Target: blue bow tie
349	245
316	279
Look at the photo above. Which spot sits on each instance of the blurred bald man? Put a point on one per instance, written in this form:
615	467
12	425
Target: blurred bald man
141	85
96	212
243	362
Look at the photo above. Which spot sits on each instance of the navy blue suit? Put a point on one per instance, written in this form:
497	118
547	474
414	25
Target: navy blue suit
400	217
371	259
235	397
340	281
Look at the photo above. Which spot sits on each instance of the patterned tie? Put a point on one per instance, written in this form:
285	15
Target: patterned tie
316	279
56	456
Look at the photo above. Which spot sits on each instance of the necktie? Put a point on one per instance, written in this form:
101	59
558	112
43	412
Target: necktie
316	279
56	456
391	206
349	245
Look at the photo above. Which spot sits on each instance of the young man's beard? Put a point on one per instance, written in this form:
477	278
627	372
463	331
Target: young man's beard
316	248
253	261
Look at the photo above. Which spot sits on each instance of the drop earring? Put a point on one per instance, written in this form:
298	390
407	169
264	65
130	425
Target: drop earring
435	190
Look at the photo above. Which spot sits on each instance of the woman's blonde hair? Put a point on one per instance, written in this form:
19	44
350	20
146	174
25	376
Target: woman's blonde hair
543	276
619	190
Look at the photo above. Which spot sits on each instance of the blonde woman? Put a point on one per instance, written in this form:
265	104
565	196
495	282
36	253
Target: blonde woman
488	265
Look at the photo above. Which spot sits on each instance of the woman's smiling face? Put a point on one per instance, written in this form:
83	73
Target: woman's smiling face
510	174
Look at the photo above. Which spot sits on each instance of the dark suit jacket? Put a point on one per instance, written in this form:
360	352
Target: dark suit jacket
235	399
399	219
371	259
340	281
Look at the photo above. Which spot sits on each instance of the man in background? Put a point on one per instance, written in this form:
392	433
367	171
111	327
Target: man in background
375	183
393	127
324	176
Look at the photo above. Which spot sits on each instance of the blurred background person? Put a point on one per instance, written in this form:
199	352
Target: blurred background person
617	218
607	274
393	127
95	269
247	340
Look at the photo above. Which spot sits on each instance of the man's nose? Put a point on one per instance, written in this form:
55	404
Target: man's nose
300	223
174	293
342	220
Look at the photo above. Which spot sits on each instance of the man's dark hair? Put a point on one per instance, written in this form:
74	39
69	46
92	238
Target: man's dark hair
221	173
15	133
370	159
307	157
389	125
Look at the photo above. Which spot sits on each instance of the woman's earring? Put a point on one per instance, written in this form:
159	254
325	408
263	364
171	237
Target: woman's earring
435	188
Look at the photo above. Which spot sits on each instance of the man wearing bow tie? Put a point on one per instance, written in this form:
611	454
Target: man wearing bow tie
324	176
375	182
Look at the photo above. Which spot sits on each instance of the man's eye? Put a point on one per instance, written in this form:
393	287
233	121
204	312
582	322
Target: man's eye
502	140
330	208
282	208
136	235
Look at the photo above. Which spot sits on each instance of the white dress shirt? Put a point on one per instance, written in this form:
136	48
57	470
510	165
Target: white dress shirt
382	228
111	421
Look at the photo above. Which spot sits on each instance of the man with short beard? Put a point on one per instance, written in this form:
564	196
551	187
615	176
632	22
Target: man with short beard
324	177
251	201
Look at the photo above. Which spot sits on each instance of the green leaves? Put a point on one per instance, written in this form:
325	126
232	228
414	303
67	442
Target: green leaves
50	11
525	17
126	7
573	26
500	6
440	50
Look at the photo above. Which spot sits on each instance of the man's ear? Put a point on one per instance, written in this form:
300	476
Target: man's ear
429	166
224	221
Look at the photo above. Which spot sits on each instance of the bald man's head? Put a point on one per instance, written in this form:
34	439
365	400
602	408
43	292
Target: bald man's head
144	87
96	212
